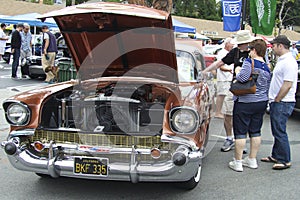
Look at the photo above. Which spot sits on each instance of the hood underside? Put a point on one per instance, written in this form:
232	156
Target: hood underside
112	39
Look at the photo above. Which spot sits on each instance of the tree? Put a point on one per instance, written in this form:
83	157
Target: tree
204	9
288	14
74	2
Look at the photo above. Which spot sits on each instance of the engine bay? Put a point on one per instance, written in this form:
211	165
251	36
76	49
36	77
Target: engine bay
108	108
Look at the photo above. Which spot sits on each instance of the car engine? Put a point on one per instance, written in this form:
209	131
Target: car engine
109	109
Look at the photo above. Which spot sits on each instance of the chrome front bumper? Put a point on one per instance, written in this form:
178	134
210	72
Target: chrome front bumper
133	170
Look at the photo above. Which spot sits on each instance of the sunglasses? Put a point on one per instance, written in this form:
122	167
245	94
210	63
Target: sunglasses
250	47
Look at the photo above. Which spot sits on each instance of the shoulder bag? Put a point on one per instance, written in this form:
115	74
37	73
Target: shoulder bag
249	87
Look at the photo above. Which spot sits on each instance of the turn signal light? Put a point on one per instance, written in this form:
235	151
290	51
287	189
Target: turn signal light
38	146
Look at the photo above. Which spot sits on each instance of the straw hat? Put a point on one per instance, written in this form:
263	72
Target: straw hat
243	36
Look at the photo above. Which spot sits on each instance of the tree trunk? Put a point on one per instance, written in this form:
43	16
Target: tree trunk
280	16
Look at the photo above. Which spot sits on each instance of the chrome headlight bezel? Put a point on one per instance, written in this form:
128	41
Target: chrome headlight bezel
175	118
20	110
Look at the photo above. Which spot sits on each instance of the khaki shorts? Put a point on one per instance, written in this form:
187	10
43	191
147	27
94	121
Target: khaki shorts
227	107
223	87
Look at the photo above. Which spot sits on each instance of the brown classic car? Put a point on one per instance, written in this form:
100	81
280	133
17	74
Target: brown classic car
139	110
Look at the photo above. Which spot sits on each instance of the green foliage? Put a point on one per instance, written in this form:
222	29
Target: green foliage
48	2
69	2
292	12
80	1
34	1
204	9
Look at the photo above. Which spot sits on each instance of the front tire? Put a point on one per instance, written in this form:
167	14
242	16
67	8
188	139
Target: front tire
193	182
43	175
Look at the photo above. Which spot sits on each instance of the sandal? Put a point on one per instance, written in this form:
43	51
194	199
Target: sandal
280	166
269	159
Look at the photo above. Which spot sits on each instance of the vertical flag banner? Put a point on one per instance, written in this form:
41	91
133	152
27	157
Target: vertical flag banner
262	13
232	10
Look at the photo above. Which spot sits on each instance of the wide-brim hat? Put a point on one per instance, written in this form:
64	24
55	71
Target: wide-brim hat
243	37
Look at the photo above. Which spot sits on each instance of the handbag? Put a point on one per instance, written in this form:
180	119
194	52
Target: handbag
241	88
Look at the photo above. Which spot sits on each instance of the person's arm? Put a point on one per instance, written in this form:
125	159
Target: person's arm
225	69
13	42
228	59
215	65
4	37
243	73
30	43
46	46
286	86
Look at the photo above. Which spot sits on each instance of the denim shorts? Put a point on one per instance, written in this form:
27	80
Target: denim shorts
248	118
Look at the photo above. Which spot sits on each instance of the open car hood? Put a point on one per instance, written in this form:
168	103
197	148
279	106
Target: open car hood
112	39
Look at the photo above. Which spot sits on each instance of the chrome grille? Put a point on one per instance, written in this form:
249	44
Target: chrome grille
99	139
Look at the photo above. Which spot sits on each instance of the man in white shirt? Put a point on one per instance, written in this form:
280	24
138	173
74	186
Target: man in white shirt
3	39
224	102
224	78
294	50
282	101
26	49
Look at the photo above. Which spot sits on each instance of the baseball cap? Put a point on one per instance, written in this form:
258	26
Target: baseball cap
281	39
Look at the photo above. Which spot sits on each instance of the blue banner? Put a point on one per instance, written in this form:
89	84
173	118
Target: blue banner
232	10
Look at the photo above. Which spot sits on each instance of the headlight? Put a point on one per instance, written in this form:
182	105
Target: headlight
17	114
184	120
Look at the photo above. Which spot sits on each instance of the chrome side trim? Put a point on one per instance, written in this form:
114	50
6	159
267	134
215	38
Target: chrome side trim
25	132
179	140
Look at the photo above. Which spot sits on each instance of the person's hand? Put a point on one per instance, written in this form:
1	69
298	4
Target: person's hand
237	70
12	50
225	69
277	99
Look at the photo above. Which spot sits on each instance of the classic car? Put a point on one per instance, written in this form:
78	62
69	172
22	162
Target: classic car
139	110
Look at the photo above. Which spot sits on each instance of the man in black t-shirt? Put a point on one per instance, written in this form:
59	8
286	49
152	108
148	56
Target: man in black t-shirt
16	42
236	56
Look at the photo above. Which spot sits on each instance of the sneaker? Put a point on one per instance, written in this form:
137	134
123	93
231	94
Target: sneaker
15	78
227	146
25	77
250	162
236	165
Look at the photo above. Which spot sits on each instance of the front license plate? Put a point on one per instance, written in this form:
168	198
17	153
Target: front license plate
91	166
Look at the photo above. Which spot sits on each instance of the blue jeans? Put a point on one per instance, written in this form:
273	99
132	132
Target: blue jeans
279	113
15	64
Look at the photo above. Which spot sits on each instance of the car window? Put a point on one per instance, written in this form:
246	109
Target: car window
186	64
